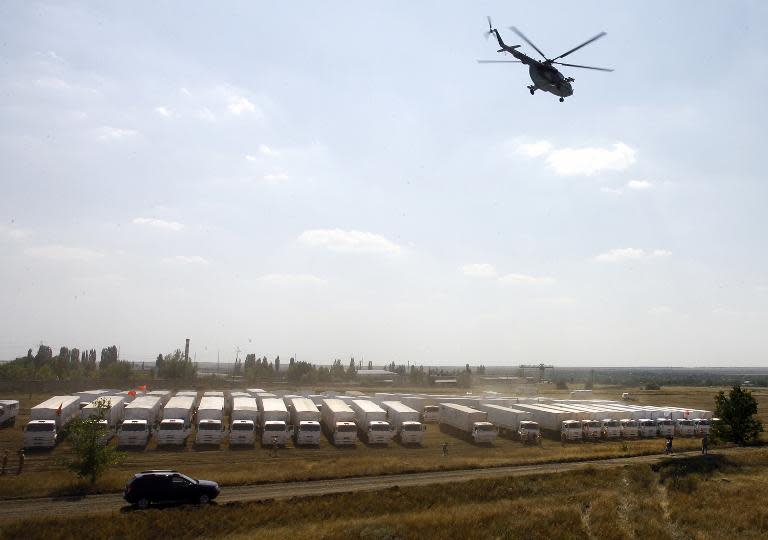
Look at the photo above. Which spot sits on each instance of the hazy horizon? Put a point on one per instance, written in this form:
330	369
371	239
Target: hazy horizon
292	179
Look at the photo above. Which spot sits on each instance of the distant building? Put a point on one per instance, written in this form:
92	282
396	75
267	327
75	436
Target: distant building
376	375
445	382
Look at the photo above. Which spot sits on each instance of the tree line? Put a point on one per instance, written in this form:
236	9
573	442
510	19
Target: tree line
69	363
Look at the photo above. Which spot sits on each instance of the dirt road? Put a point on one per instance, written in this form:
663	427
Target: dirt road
47	506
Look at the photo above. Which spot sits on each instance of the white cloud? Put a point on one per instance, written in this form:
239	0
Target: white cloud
14	233
205	113
348	241
249	157
267	151
108	133
56	252
612	191
163	111
159	224
523	279
480	270
630	254
536	149
591	160
639	184
276	178
239	105
291	279
185	259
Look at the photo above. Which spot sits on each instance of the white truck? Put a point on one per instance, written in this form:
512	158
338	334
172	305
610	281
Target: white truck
701	426
9	410
176	425
611	429
647	428
273	421
112	416
164	395
139	416
305	418
665	427
89	396
338	421
506	419
189	393
372	422
405	422
245	419
468	421
571	430
210	420
592	429
48	419
684	427
528	432
630	428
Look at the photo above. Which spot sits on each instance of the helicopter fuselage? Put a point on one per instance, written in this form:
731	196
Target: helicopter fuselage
548	79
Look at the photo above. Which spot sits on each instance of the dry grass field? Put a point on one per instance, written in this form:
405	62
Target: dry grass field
700	497
45	474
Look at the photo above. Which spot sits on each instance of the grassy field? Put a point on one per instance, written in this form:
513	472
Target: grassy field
45	474
700	497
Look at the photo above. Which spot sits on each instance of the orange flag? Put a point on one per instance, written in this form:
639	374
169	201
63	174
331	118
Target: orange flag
131	392
143	387
58	411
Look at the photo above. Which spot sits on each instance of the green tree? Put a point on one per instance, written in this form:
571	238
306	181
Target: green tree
736	412
92	455
352	369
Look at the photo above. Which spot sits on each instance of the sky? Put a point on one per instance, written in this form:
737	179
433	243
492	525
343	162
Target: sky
343	180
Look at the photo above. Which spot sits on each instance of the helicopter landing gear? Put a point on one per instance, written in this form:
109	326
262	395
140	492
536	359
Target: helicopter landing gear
562	99
531	89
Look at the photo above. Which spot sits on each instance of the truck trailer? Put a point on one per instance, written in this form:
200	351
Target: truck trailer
467	421
338	422
113	415
176	424
506	419
48	419
9	410
405	421
305	418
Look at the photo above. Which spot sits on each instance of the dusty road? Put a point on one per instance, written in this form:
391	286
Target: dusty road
47	506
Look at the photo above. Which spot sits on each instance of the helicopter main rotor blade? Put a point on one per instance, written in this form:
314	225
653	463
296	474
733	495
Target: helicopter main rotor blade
528	41
499	62
488	32
583	67
598	36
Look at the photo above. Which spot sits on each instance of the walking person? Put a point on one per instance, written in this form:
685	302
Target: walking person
274	446
705	444
445	448
21	461
668	446
5	462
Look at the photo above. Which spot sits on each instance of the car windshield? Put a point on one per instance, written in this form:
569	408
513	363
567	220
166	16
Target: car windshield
40	427
134	427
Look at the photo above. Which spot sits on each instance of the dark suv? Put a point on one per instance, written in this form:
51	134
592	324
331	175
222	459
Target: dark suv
168	487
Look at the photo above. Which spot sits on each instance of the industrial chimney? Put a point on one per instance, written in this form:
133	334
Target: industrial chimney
186	351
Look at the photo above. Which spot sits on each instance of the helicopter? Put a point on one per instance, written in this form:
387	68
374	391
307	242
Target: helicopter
544	75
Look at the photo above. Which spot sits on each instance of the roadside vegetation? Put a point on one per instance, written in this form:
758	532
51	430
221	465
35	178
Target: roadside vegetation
701	497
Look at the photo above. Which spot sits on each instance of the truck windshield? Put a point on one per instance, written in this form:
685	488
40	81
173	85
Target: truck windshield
40	427
209	426
242	427
611	424
310	427
379	427
411	427
171	427
630	424
346	429
431	409
274	427
703	422
134	427
592	425
686	422
485	427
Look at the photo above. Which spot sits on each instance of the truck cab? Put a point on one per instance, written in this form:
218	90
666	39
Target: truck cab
570	430
133	433
484	432
307	433
529	432
684	427
9	409
592	429
630	429
210	432
109	432
345	433
665	427
173	431
242	432
431	413
378	432
412	432
40	434
701	426
274	429
647	428
611	429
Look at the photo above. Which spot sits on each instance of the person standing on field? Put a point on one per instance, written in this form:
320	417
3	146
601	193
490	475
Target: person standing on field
668	446
5	462
705	444
21	461
445	448
274	446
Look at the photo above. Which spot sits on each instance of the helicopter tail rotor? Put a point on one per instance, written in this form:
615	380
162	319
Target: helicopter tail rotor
488	33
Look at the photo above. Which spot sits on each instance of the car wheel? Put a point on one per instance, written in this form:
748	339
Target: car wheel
143	503
204	499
